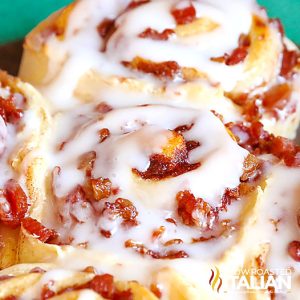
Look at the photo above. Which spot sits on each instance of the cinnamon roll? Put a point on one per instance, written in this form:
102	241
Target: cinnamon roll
200	53
23	129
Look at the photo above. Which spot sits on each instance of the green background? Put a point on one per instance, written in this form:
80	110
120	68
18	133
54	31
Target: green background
17	17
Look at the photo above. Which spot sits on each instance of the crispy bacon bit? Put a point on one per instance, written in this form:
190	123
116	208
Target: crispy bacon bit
141	249
103	285
294	250
47	292
194	211
137	3
101	188
203	239
86	162
183	128
107	234
155	35
258	141
162	70
237	56
156	290
228	197
173	242
260	262
157	234
171	220
252	169
191	145
122	208
103	108
38	230
14	205
244	41
104	133
286	150
162	166
74	208
8	110
106	29
277	96
184	15
90	269
5	277
289	61
37	270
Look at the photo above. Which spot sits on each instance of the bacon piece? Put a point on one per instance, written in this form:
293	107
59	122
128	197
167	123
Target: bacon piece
194	211
38	230
286	150
252	169
15	205
37	270
277	96
104	133
228	197
162	167
237	56
289	61
86	162
103	285
172	164
162	70
141	249
171	220
137	3
103	108
73	209
156	290
183	128
47	292
157	234
294	250
90	269
122	208
102	188
106	29
155	35
107	234
8	110
184	15
173	242
258	141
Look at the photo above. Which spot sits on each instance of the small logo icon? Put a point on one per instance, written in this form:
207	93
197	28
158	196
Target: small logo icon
214	279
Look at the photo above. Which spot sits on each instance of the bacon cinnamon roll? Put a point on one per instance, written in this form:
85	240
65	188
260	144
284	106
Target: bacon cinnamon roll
145	186
196	51
46	281
23	128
